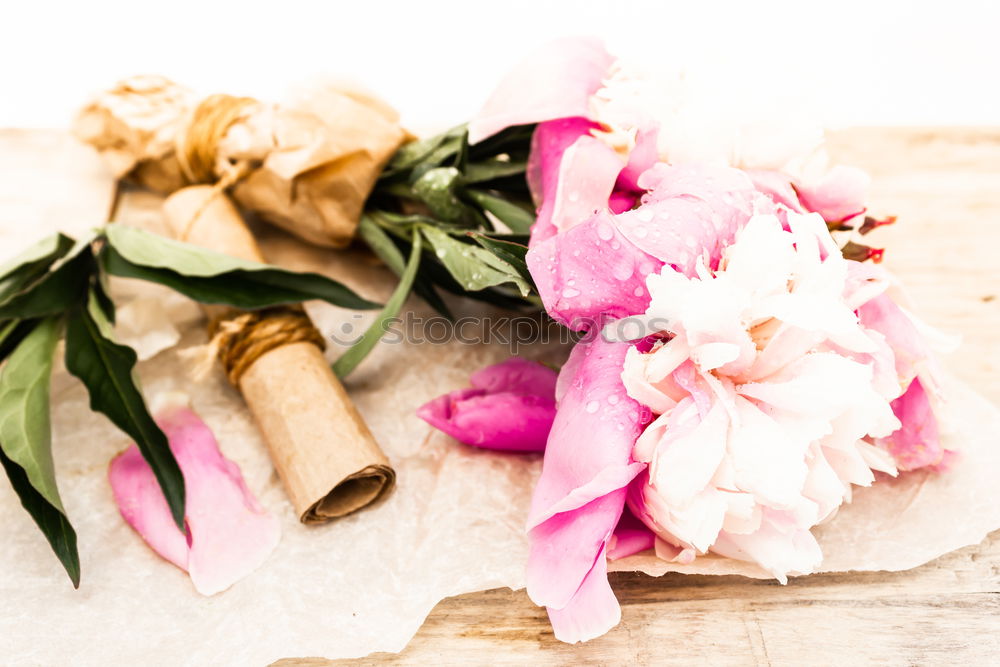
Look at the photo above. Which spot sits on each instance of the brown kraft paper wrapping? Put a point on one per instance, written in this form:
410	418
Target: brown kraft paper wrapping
324	453
310	162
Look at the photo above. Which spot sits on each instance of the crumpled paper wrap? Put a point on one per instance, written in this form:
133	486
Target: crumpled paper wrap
312	161
366	583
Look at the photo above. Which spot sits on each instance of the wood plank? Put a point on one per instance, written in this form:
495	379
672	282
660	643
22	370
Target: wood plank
943	184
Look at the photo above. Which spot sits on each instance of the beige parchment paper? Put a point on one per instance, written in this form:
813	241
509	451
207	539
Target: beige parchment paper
366	583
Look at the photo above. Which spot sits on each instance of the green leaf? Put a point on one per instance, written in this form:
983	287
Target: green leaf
51	521
12	332
102	294
517	219
474	268
55	291
31	263
513	140
26	439
381	244
350	359
512	253
106	369
492	169
211	277
387	250
437	189
432	150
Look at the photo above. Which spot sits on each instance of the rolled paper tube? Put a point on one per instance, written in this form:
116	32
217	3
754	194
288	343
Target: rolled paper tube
324	453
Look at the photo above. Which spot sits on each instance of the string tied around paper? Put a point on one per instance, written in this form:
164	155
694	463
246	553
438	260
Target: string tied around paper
239	338
197	145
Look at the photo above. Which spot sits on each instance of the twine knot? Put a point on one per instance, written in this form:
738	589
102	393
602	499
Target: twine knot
198	144
240	338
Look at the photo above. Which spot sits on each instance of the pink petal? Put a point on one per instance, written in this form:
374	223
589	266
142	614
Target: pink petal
780	553
510	407
565	547
777	185
555	81
641	158
838	196
502	421
591	273
592	611
518	376
548	144
622	201
631	536
687	212
231	535
143	506
587	174
917	443
883	315
595	428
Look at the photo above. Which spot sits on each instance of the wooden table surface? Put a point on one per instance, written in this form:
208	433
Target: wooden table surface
944	185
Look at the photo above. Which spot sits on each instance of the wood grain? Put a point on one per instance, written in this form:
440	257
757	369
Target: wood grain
944	185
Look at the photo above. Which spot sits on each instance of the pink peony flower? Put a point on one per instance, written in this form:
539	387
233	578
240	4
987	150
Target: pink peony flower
229	534
781	374
769	403
510	406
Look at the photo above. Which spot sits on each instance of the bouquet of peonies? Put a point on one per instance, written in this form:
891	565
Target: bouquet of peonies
742	366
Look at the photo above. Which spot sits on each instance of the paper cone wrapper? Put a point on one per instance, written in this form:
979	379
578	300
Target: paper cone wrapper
321	447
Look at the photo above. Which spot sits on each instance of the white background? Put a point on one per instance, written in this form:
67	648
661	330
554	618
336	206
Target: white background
842	63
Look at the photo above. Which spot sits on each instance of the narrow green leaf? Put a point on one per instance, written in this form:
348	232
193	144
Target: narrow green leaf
513	140
211	277
512	253
518	219
55	291
26	439
350	359
492	169
381	244
106	369
461	160
474	268
387	250
438	275
433	149
33	260
51	521
102	294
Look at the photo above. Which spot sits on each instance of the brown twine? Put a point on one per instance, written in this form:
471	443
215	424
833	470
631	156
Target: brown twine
198	144
241	338
196	147
238	338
